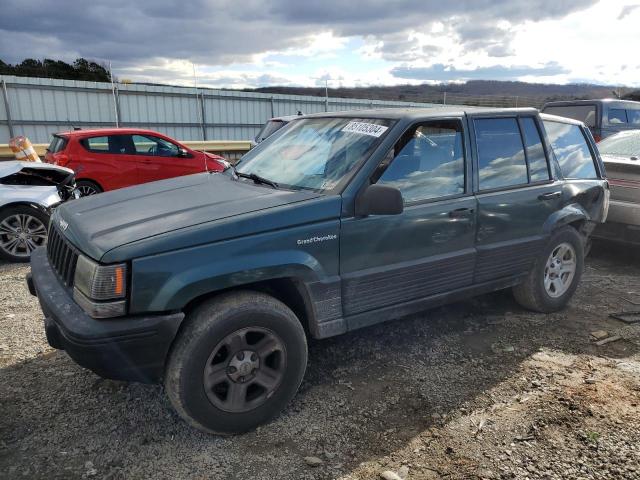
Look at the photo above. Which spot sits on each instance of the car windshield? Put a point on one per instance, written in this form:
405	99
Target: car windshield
625	144
315	153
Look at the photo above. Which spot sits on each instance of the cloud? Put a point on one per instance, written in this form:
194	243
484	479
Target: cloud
626	10
440	72
225	32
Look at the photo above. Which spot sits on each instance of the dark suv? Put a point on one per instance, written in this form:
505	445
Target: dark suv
604	117
211	283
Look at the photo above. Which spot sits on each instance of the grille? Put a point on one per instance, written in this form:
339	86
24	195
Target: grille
62	256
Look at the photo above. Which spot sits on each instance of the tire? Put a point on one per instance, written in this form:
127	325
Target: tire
87	188
208	347
22	229
541	291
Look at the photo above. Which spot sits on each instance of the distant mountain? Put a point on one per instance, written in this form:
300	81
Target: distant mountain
481	92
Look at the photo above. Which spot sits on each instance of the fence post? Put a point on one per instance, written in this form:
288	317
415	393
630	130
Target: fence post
7	109
516	100
273	112
444	98
203	112
116	97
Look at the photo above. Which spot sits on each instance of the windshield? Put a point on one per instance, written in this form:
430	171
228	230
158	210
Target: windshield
315	153
626	144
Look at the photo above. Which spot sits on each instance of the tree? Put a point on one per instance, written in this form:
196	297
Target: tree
81	69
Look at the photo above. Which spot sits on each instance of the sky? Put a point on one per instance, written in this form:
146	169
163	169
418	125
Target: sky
250	43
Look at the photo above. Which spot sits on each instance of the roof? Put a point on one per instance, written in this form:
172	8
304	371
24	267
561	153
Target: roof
418	113
591	102
107	131
559	119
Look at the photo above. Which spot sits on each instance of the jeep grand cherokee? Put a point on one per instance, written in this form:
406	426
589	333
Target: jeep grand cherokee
211	283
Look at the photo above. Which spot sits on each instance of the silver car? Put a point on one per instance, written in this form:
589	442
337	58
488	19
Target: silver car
621	156
28	193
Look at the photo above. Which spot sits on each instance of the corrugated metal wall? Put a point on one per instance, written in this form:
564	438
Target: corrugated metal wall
38	107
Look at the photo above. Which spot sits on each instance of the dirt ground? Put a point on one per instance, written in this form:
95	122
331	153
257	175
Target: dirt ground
478	389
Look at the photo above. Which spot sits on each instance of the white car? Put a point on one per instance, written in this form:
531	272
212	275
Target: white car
28	193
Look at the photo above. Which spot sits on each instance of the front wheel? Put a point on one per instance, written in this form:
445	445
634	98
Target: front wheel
555	275
237	362
22	230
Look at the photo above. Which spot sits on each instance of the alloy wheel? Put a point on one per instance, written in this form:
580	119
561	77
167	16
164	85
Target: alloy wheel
21	234
87	190
560	270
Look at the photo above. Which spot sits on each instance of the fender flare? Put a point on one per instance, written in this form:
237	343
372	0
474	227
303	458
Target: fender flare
571	213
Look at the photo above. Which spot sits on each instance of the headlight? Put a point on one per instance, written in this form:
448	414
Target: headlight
100	289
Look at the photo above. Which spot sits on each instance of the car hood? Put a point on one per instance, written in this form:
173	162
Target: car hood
14	166
98	224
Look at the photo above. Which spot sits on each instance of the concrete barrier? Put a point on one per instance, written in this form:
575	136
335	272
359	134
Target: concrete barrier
230	149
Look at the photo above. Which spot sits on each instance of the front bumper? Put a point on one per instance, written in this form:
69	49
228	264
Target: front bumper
127	348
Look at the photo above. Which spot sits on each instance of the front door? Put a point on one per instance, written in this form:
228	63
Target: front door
159	159
516	195
429	248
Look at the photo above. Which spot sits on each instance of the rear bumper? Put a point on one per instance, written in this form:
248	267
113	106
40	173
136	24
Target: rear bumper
618	232
624	212
127	348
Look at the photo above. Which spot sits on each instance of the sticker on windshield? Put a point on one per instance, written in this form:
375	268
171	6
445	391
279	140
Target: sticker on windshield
363	128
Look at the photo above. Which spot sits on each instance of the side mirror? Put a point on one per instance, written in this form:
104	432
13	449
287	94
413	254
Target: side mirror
380	200
182	152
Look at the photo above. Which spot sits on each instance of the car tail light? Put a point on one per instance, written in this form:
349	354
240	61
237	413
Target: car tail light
597	138
61	159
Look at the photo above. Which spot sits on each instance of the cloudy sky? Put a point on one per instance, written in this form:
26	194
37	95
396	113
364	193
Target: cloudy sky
249	43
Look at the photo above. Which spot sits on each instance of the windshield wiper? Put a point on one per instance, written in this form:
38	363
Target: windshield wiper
255	177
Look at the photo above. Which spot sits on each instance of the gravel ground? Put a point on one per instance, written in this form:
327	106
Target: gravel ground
478	389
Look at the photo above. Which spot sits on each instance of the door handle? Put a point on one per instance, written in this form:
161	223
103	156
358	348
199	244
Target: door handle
549	196
460	212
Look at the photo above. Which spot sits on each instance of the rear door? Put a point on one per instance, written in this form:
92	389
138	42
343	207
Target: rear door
158	158
388	260
516	194
106	160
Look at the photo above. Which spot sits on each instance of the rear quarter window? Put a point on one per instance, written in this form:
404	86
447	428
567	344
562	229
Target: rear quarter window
582	113
571	149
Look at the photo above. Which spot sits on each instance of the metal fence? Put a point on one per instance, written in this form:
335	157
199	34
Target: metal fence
37	107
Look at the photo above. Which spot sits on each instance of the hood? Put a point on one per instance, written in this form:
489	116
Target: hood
101	223
15	166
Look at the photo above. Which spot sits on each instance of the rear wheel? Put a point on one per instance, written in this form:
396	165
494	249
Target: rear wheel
22	230
237	362
555	275
87	188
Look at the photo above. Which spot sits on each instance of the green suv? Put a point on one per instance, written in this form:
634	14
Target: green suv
212	283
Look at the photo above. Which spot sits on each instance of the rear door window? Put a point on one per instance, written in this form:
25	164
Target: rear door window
583	113
501	159
617	115
571	149
97	144
114	144
538	169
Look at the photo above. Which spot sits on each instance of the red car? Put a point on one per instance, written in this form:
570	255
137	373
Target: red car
109	158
